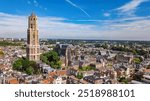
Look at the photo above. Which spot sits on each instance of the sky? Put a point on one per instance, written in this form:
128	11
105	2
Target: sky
77	19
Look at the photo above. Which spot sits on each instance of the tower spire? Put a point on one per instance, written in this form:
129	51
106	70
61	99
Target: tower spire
33	14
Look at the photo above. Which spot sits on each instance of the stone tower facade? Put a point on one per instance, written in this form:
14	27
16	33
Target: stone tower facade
33	47
68	56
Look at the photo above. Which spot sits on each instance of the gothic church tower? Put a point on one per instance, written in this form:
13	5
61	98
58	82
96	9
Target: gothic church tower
33	47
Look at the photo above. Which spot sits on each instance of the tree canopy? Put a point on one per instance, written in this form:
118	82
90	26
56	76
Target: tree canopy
6	43
51	58
79	75
1	53
87	68
24	65
134	51
137	60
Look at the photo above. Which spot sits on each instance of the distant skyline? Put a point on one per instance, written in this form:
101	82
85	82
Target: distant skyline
77	19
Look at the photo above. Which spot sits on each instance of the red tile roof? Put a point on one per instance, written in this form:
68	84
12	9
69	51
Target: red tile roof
13	81
147	70
45	81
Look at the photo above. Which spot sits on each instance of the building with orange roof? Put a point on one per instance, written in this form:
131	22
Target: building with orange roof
45	81
58	73
147	71
52	74
61	72
58	76
12	81
51	80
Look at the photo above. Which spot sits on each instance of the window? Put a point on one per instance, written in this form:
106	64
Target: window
31	25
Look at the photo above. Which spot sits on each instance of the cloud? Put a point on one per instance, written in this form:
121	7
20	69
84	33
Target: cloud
49	27
133	28
45	9
130	7
71	3
28	2
35	3
106	14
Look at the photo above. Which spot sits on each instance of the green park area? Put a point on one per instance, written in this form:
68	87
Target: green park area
6	43
30	67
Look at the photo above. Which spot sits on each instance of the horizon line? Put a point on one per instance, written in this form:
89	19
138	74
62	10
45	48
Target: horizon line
83	39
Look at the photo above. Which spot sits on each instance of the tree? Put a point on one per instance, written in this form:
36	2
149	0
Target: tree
30	70
134	52
6	43
97	45
17	65
137	60
44	58
87	68
79	75
33	64
1	53
105	46
51	58
123	80
24	65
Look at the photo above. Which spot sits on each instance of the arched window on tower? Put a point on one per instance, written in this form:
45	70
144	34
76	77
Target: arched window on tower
31	25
